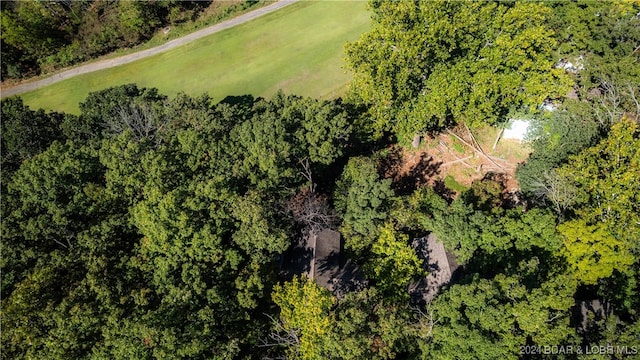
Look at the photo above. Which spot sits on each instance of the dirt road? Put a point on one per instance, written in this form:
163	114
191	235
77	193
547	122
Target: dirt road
109	63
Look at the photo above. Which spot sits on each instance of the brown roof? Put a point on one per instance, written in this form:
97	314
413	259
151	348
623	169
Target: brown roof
327	257
437	262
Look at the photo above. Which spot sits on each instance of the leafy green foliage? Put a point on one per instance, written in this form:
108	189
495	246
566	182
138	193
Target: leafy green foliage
554	139
608	173
484	195
284	133
187	254
25	132
497	316
154	238
393	263
593	252
603	237
426	65
363	200
49	200
359	326
34	28
115	110
452	184
605	34
63	229
384	326
150	227
304	309
474	224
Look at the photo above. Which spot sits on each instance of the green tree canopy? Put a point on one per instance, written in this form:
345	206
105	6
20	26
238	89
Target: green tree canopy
25	133
495	317
604	234
363	200
304	313
426	65
285	132
469	229
393	263
155	230
601	36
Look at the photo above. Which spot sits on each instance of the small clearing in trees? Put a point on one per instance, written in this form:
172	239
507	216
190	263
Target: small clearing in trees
464	155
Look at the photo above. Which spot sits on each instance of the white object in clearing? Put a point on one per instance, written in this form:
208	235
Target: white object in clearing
517	129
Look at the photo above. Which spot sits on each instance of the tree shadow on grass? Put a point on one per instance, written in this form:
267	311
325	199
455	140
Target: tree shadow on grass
245	102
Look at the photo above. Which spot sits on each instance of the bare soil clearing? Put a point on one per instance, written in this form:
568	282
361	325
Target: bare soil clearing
464	155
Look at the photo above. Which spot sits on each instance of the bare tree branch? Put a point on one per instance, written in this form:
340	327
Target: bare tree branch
144	121
634	98
307	174
558	190
312	211
425	320
281	337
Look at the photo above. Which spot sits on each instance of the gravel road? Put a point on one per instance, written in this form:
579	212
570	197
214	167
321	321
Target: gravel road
109	63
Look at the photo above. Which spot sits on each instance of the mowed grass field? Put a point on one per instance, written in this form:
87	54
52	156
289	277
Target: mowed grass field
299	49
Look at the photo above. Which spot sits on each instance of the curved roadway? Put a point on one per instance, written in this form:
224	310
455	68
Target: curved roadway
125	59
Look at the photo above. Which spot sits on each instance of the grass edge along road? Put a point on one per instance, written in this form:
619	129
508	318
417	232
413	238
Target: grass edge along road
113	60
298	49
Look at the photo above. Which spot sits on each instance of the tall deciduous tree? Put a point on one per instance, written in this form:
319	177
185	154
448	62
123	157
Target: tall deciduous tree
369	326
51	196
600	37
26	132
128	243
393	263
426	65
593	252
469	227
112	111
493	318
287	132
304	313
604	235
363	200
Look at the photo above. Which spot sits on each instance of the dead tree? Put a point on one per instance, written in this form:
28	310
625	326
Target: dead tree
558	190
144	122
311	211
613	100
426	321
307	174
281	337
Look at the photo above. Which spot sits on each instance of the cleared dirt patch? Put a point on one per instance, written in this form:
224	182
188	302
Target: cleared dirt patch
461	154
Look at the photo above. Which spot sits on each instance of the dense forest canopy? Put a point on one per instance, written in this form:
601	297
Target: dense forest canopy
157	227
167	225
429	65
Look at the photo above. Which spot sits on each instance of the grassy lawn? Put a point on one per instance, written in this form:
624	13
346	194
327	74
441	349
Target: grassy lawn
298	49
